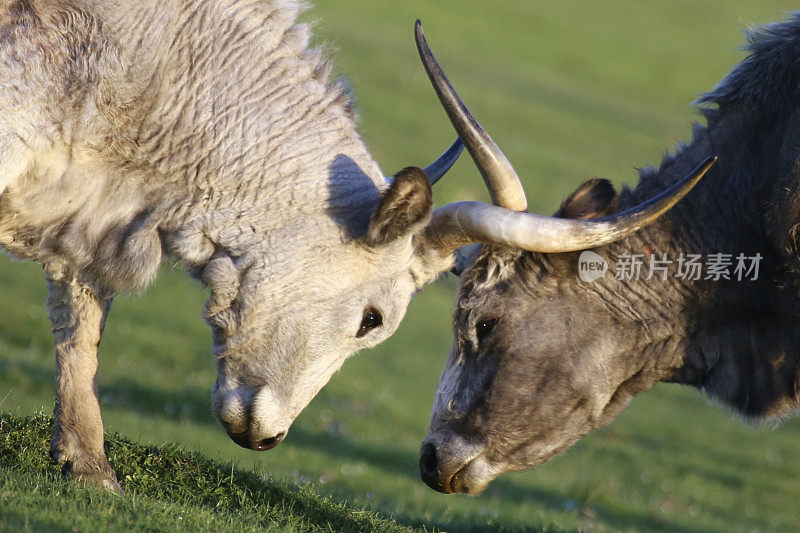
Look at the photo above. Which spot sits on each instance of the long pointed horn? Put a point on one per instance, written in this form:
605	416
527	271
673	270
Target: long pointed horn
439	168
498	174
461	223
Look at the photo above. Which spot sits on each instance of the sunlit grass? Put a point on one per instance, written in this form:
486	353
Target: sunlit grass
570	90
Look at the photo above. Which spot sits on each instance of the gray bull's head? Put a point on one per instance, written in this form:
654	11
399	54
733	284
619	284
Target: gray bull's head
510	397
278	338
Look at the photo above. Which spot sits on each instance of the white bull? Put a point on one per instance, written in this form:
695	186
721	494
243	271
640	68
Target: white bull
207	131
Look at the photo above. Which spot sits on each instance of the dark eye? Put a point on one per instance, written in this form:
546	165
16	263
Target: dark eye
484	327
372	319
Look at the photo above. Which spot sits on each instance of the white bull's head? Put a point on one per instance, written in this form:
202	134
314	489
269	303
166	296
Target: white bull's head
287	312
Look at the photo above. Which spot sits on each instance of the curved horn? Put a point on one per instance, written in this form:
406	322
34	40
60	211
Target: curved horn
461	223
439	168
436	170
498	174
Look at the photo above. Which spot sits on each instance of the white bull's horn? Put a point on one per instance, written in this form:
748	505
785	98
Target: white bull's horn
439	168
436	170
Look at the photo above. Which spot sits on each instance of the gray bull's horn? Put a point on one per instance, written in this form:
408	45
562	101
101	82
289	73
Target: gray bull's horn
462	223
498	174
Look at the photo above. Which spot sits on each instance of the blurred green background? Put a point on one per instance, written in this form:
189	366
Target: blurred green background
570	90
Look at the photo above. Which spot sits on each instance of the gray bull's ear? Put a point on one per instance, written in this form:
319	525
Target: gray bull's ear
404	210
595	198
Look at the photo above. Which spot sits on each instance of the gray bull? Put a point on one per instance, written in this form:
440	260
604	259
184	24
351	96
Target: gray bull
205	130
541	357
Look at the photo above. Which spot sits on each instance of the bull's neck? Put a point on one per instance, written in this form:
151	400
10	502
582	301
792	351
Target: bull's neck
736	340
751	363
248	126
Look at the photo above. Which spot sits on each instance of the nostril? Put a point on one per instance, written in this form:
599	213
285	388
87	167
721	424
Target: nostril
271	442
242	439
428	465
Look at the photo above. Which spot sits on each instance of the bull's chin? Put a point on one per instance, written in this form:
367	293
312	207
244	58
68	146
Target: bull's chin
472	478
476	474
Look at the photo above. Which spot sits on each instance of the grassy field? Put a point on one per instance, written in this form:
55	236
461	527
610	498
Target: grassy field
168	489
570	90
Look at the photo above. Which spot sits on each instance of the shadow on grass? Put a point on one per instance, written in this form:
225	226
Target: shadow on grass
391	460
29	522
642	521
192	404
151	401
168	474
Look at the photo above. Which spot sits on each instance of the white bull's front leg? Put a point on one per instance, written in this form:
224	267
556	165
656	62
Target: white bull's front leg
78	316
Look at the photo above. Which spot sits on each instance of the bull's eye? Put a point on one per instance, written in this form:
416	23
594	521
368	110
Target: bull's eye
484	327
372	319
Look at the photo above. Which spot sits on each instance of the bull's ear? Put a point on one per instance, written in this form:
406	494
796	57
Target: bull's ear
404	209
595	198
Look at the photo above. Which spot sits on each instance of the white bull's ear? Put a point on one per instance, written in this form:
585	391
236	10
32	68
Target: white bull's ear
404	210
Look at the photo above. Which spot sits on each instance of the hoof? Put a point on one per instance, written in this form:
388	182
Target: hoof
92	475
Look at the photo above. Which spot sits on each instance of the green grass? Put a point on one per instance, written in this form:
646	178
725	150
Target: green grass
570	90
173	489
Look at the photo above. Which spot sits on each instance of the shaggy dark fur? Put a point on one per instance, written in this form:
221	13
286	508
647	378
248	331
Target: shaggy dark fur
566	356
